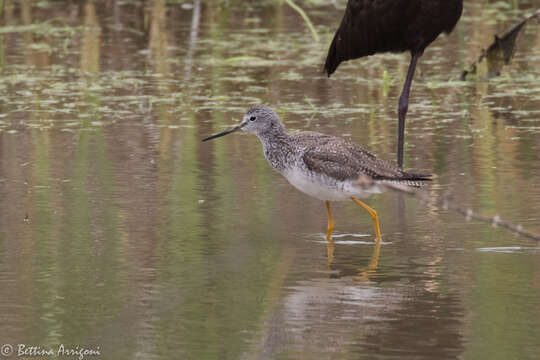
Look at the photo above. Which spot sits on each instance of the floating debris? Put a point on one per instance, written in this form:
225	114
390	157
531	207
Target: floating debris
500	52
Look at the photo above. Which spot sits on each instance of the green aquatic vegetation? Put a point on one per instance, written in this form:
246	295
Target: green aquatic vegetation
297	56
40	47
291	75
238	79
253	20
19	28
45	28
241	59
258	31
43	4
282	113
434	84
249	62
387	82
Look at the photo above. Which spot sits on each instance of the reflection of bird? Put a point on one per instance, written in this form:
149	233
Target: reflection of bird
323	166
377	26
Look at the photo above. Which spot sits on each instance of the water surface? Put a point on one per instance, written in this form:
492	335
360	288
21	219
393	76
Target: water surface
119	229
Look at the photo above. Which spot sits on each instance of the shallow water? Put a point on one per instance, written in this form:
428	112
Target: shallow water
120	230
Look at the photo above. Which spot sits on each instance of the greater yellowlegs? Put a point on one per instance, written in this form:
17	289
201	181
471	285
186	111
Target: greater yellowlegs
325	167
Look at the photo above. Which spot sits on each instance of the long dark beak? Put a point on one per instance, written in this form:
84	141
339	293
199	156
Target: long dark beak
223	133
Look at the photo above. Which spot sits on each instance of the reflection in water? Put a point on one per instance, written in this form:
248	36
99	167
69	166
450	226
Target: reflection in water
91	44
143	241
193	37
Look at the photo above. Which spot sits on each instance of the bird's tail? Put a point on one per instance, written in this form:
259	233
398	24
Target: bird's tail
407	180
332	60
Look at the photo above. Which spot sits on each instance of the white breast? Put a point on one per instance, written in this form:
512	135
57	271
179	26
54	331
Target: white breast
324	188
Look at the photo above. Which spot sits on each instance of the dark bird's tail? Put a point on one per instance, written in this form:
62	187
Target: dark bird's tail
332	60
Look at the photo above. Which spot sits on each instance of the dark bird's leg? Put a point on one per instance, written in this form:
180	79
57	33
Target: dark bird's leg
404	105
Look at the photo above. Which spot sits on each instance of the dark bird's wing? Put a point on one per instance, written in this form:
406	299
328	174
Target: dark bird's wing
370	26
377	26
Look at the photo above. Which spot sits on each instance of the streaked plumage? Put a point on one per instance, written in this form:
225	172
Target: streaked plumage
339	168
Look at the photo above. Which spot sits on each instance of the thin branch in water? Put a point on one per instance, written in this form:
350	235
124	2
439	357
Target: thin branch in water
446	204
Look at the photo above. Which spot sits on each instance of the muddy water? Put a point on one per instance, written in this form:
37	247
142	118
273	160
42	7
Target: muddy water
121	232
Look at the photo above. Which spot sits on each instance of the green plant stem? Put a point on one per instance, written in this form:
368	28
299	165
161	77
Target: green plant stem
305	17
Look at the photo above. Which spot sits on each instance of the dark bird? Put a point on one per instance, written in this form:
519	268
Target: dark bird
325	167
377	26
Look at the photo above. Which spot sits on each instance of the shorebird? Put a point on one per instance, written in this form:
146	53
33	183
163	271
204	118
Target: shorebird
325	167
377	26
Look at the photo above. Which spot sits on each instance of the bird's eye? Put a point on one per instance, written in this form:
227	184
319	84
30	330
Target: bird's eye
252	118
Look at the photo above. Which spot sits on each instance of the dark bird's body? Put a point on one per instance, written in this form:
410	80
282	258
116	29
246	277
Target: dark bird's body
377	26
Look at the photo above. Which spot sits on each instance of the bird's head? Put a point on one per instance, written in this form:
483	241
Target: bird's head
259	119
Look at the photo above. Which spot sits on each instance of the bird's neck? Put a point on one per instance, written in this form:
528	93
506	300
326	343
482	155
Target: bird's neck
273	133
275	146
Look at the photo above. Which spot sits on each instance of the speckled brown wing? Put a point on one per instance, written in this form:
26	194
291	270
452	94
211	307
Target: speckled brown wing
333	164
344	160
374	167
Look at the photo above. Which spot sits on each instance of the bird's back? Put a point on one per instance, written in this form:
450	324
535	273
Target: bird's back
375	26
346	161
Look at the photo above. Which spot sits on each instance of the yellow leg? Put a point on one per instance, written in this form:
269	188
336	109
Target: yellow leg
330	251
330	227
372	266
329	231
374	263
371	269
374	216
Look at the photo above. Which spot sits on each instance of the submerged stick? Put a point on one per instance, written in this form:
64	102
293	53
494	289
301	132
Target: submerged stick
446	204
